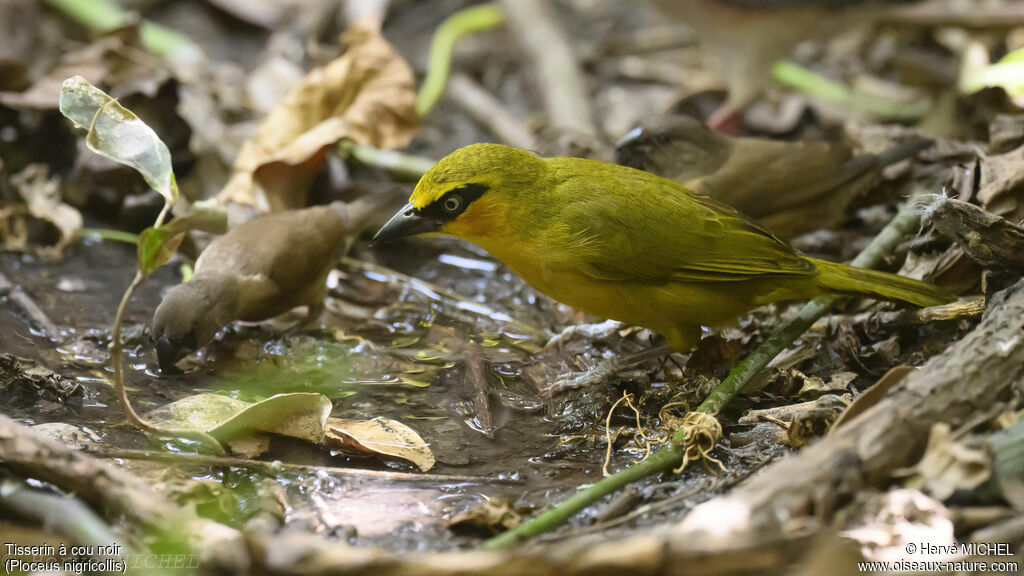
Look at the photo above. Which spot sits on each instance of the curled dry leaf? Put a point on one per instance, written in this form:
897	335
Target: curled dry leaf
67	434
494	516
873	395
367	95
949	465
1002	180
244	426
379	436
43	204
116	133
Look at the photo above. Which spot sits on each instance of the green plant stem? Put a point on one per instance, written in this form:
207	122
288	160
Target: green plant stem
743	373
817	86
473	19
108	234
405	167
104	15
669	457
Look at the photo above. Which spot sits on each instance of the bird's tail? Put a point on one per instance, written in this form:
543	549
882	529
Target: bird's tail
903	151
844	279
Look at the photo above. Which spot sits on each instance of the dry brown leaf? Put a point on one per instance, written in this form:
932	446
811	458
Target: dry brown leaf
890	526
19	226
1002	182
949	465
494	516
116	60
837	384
874	394
367	95
379	436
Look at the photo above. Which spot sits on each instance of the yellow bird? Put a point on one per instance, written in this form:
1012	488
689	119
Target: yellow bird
625	244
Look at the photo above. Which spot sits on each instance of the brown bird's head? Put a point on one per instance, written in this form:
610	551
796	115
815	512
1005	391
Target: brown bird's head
677	147
190	316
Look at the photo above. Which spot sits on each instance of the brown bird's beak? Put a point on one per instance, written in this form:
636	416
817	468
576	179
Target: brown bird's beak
407	222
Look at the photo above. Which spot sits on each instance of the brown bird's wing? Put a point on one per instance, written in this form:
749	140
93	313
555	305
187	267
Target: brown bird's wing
762	177
277	256
638	226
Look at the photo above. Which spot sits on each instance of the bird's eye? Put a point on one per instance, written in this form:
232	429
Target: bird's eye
452	204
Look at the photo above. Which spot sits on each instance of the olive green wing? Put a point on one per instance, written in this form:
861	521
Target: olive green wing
637	226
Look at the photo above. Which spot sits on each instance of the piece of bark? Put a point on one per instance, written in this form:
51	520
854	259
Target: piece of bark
989	240
985	367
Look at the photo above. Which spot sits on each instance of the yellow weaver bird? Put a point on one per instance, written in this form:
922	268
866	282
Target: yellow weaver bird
625	244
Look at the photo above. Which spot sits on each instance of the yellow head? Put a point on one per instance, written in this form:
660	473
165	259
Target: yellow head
469	194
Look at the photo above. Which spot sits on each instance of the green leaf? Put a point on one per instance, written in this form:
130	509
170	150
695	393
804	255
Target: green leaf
301	415
156	246
116	133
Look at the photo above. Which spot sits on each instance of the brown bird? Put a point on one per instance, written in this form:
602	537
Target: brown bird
790	187
261	269
743	38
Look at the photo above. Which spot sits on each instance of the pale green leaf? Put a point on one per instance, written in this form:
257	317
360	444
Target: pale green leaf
301	415
116	133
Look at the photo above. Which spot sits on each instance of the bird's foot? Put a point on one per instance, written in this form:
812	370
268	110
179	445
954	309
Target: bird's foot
311	320
590	332
603	370
726	119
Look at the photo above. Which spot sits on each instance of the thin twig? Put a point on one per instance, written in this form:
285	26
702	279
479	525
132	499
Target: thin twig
405	167
558	75
35	315
274	468
475	379
488	111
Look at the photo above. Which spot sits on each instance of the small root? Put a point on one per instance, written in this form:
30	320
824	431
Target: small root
701	433
609	440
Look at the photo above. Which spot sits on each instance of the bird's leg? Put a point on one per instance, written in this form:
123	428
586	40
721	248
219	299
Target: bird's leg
314	311
681	339
726	119
592	332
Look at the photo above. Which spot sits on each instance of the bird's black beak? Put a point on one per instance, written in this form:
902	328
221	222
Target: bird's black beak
407	222
168	354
